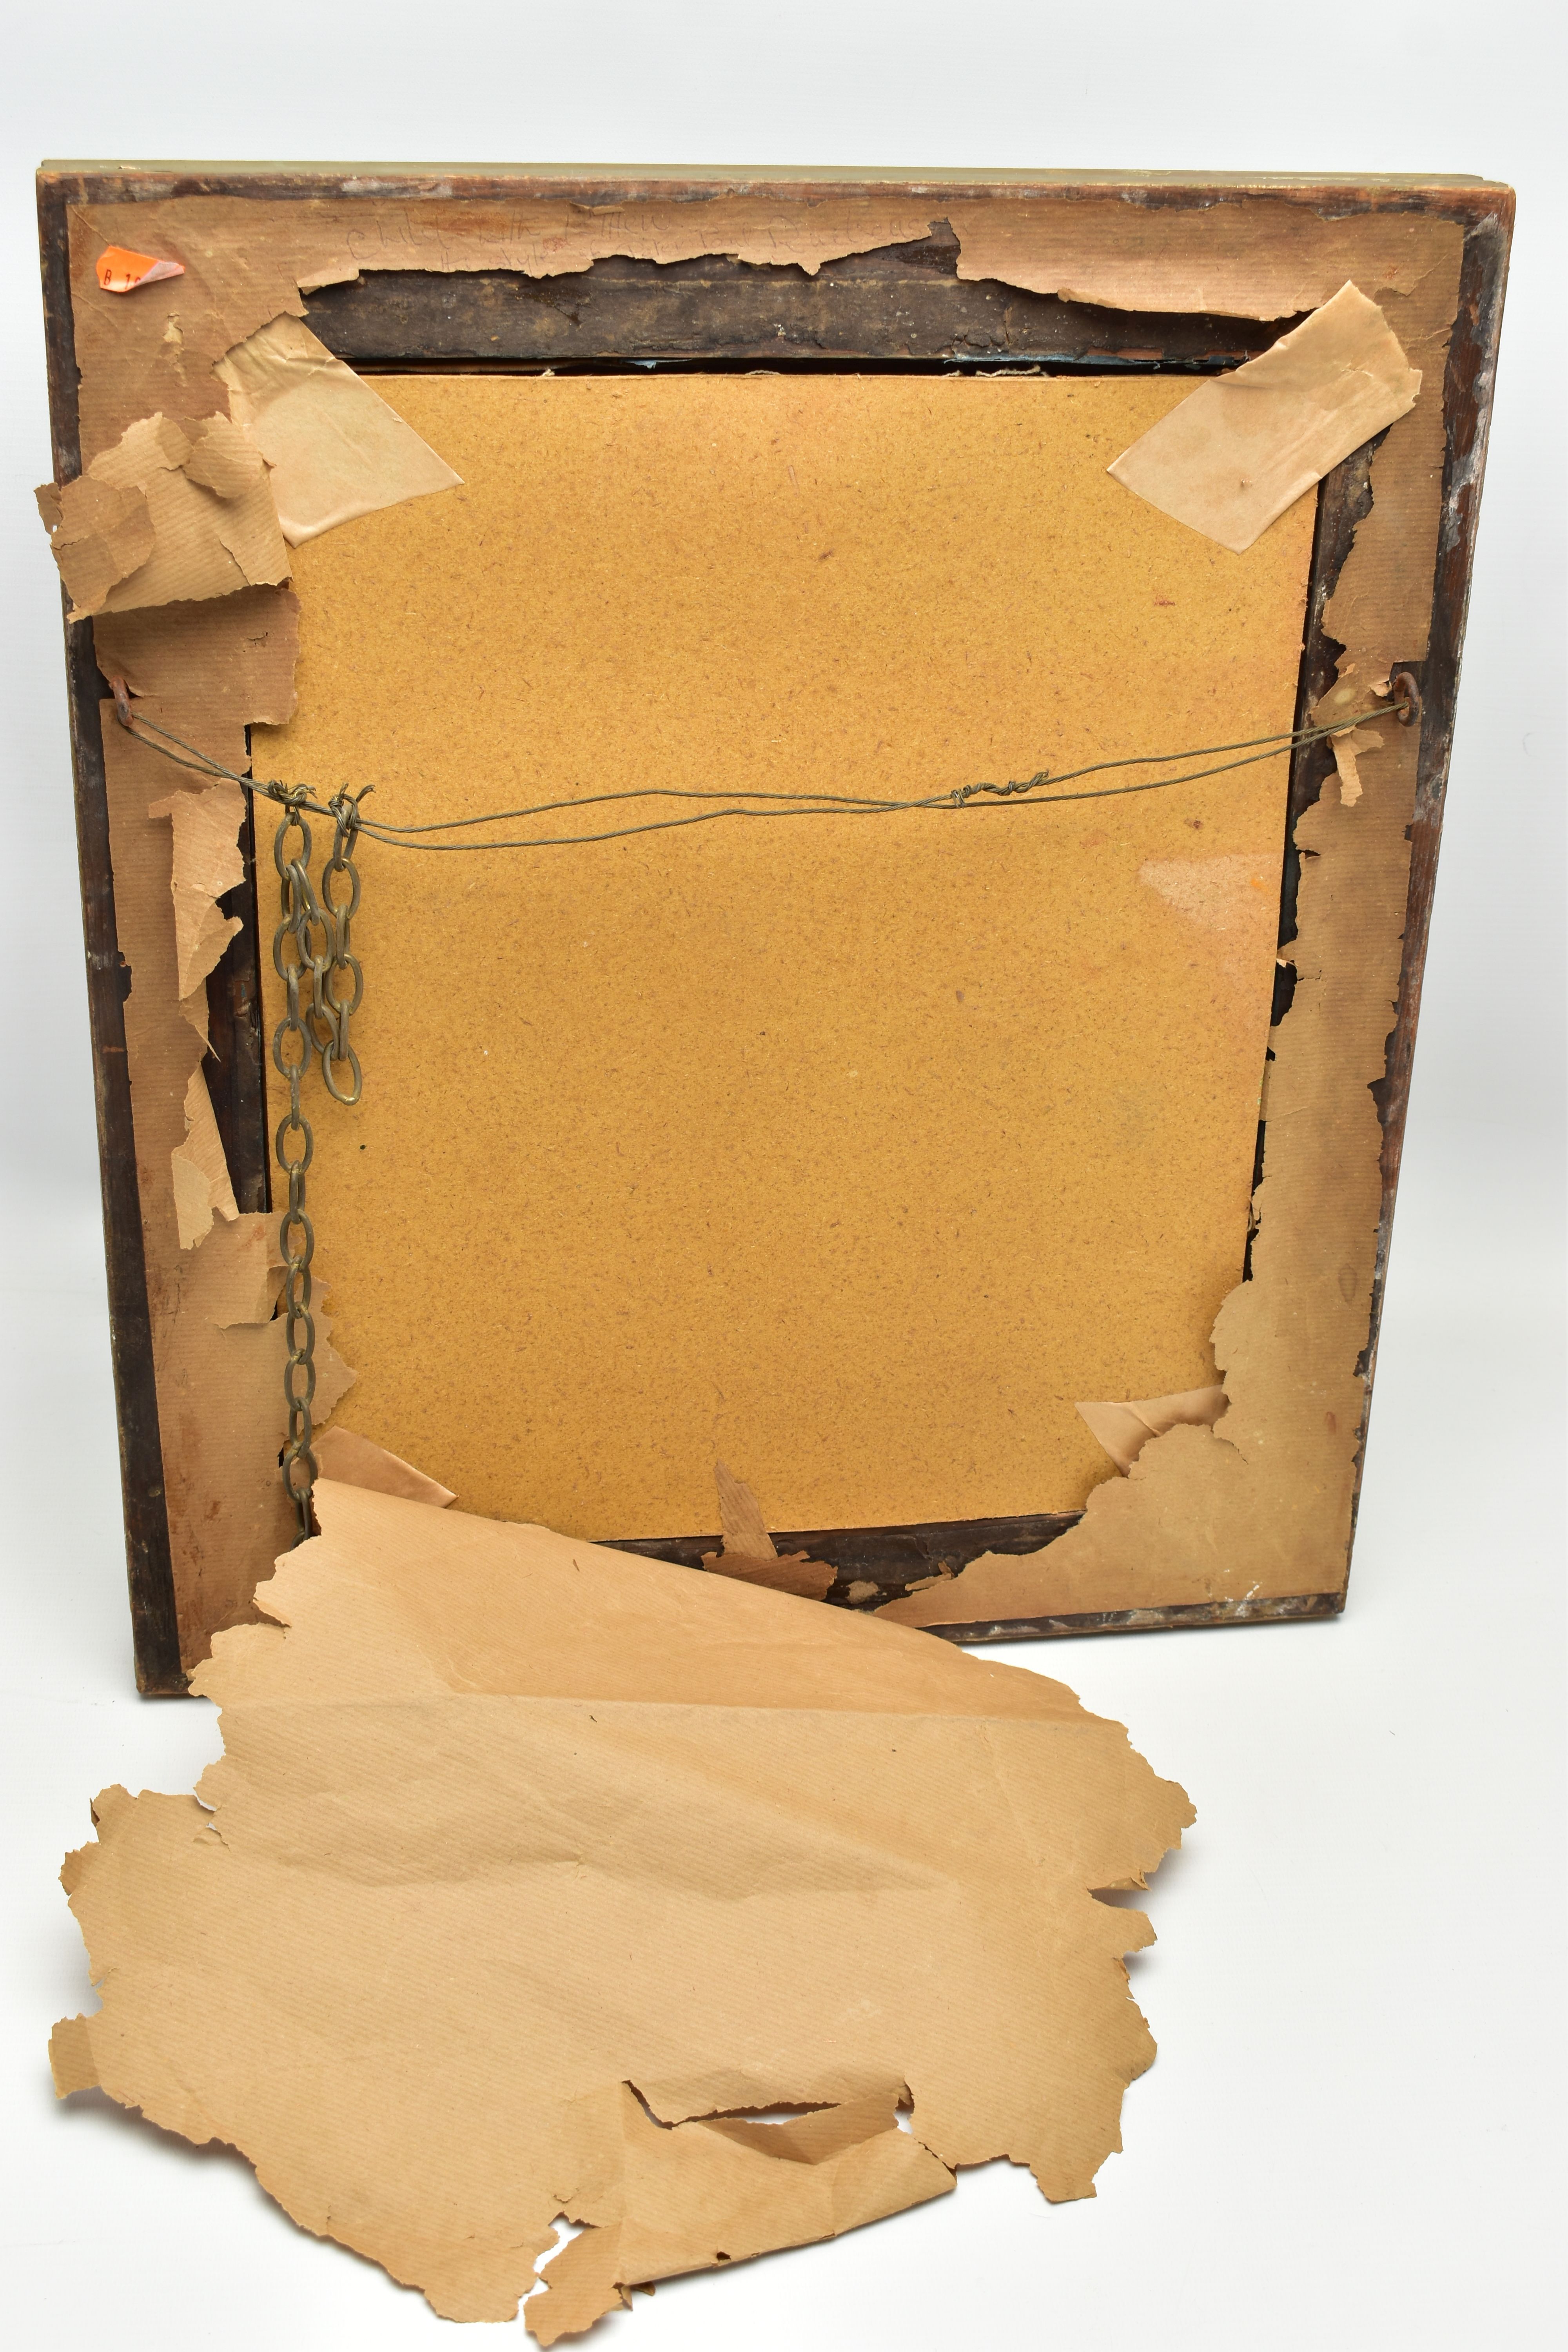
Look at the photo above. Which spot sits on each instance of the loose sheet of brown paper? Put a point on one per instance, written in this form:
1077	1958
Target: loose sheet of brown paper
789	1142
1245	447
423	1949
335	448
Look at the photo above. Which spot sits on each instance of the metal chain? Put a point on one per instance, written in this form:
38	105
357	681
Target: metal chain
313	938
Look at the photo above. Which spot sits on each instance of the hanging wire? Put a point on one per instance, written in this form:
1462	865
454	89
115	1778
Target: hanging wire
1028	792
312	940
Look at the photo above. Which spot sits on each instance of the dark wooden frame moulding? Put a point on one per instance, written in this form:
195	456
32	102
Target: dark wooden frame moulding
900	310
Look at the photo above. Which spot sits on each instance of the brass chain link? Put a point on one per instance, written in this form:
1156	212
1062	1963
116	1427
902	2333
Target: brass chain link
313	937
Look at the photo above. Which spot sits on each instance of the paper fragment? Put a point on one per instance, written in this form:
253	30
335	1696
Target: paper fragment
741	1518
1124	1429
225	460
99	535
1349	750
423	1952
202	1185
212	525
246	1285
351	1460
71	2055
238	654
750	1551
205	863
120	271
1243	448
811	1579
336	448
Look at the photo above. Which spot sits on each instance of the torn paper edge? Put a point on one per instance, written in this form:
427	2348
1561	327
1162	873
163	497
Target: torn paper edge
1124	1429
250	262
352	1460
199	1171
749	1551
199	503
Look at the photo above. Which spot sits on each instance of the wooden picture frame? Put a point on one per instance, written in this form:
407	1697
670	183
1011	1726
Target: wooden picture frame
997	281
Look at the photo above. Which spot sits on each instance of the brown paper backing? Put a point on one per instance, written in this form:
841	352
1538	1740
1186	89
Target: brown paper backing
852	1149
1267	1508
1262	1505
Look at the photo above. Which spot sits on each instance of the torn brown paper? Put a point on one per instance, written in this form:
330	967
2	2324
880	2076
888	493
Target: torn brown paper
248	262
423	1948
1263	1504
351	1460
1242	448
99	535
206	862
1270	1498
750	1551
755	2186
1352	743
745	1530
202	1185
336	448
236	654
252	1274
218	1350
1349	750
1239	257
207	508
1124	1429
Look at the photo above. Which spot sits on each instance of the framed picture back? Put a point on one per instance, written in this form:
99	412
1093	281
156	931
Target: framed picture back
874	749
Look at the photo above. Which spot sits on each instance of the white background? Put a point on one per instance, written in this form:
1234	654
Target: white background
1351	2135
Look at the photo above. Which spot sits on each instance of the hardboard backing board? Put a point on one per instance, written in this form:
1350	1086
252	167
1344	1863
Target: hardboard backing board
849	1150
859	275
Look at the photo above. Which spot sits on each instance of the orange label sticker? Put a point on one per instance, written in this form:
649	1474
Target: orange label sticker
120	271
